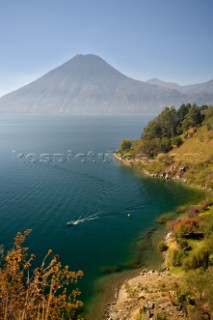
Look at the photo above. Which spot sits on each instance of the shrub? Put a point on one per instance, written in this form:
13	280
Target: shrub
184	245
163	246
125	145
197	259
187	227
164	218
194	209
40	293
177	257
177	141
161	316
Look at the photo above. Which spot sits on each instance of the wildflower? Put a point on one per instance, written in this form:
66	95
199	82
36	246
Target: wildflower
33	256
27	265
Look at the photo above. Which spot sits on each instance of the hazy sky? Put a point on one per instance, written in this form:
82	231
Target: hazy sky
167	39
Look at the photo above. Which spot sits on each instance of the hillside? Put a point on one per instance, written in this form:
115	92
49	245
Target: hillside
176	148
191	163
175	145
200	88
87	85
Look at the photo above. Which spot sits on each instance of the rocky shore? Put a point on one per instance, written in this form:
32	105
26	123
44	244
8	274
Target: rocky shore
150	294
174	172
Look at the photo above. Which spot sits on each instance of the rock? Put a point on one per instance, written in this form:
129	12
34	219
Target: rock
170	235
150	305
161	306
141	296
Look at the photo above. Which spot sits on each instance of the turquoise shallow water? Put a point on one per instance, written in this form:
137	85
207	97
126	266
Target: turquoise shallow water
44	196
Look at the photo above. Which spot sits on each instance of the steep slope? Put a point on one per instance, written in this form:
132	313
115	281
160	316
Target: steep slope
86	84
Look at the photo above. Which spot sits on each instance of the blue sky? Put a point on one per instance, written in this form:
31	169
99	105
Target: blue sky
167	39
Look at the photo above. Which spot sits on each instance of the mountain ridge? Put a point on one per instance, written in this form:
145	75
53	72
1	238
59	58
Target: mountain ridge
87	84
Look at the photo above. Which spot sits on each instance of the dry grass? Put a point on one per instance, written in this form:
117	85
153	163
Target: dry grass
196	149
40	293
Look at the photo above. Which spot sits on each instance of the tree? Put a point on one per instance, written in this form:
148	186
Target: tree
209	118
125	145
152	147
193	118
163	126
183	111
169	120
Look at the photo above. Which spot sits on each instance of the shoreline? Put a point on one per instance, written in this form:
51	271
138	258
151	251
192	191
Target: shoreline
122	305
143	294
109	286
132	163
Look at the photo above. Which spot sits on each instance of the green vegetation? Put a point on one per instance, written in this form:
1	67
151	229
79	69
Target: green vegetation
125	146
191	252
166	130
164	218
163	246
36	293
178	144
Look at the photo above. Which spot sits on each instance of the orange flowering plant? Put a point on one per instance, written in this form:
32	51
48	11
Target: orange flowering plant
36	293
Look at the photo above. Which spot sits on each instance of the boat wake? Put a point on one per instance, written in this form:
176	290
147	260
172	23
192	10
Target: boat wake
83	219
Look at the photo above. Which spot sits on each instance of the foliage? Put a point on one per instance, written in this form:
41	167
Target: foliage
198	259
164	131
187	227
162	246
39	293
184	245
177	258
177	141
125	145
161	316
164	218
198	283
131	291
209	118
193	118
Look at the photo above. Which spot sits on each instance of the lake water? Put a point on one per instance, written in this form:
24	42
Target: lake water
44	192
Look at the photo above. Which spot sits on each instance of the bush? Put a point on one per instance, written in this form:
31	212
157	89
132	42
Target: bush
184	245
188	227
177	141
164	218
163	246
40	293
197	260
125	145
177	257
161	316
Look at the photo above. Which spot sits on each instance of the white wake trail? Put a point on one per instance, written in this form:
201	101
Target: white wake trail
84	219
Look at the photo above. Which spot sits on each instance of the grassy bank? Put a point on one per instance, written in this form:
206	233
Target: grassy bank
176	145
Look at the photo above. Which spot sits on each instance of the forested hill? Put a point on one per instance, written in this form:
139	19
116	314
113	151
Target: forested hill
177	144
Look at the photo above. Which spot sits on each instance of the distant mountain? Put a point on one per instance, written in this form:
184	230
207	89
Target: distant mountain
201	93
87	84
169	85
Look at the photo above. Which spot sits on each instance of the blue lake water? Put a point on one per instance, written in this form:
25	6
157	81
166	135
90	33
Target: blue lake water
45	195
